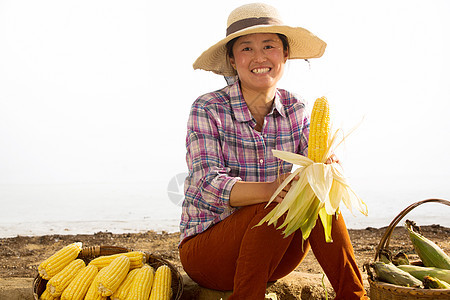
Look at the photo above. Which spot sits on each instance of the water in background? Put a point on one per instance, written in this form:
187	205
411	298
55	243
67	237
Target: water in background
33	210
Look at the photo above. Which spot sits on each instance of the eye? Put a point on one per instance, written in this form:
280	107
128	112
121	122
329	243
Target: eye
246	49
268	47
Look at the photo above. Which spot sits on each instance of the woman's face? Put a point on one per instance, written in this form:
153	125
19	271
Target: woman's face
259	60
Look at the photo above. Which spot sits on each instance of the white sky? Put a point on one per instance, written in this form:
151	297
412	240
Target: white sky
99	91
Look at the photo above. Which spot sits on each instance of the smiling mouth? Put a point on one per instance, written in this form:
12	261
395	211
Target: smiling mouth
261	70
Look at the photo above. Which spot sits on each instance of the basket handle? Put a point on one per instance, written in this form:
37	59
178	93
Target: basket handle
384	242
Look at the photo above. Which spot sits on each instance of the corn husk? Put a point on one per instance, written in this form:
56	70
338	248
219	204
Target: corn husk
317	193
401	258
430	253
389	273
420	272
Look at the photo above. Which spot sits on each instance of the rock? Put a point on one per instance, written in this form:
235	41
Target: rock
297	285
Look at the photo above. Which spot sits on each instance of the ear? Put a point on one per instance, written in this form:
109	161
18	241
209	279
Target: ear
286	55
232	62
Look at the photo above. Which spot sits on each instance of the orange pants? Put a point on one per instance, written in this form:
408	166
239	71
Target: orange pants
235	255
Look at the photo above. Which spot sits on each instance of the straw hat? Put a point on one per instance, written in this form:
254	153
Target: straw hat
258	18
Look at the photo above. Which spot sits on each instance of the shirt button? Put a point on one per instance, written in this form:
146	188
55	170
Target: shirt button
261	161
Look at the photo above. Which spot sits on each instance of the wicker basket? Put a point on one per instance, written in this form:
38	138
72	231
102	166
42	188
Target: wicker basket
89	253
385	291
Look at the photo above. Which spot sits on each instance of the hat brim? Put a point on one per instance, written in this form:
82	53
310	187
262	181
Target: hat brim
302	45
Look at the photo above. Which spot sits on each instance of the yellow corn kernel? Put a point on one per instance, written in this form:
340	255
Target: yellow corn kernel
162	285
141	285
137	259
46	296
113	276
58	261
58	283
79	286
93	293
319	130
124	288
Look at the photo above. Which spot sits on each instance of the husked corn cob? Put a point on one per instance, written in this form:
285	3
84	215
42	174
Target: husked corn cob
392	274
319	130
137	259
142	284
124	288
320	188
110	280
319	133
46	296
79	286
162	285
420	272
434	283
58	283
93	293
430	253
55	263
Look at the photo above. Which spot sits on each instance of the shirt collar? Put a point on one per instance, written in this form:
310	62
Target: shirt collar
239	106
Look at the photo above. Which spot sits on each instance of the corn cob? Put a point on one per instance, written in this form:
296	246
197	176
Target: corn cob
55	263
162	285
301	203
319	131
93	293
79	286
122	292
46	296
419	272
110	280
430	253
319	135
391	274
58	283
320	187
434	283
141	285
137	259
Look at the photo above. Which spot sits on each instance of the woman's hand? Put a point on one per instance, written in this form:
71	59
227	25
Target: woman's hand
285	190
332	159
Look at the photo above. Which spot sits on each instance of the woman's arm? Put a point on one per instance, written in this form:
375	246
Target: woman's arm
248	193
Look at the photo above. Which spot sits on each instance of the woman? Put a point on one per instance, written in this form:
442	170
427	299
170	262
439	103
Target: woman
232	173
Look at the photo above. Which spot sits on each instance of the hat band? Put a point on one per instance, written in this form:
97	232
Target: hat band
245	23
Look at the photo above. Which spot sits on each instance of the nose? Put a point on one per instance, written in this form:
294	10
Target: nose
259	56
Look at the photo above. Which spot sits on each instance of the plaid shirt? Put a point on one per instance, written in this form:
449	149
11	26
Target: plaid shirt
223	147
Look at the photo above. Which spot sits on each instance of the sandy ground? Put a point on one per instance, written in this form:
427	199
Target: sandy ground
20	256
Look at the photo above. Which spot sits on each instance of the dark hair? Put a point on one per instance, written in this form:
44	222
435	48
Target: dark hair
230	44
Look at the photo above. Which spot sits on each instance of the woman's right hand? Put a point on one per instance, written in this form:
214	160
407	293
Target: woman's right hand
276	183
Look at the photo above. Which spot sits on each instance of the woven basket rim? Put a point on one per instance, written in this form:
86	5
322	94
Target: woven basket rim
407	290
91	252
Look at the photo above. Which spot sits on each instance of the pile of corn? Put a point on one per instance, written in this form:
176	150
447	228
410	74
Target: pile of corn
123	276
432	273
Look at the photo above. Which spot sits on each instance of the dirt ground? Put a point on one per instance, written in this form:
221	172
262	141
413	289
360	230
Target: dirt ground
20	256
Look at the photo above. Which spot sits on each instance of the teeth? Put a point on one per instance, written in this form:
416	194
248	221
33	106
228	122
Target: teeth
261	70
